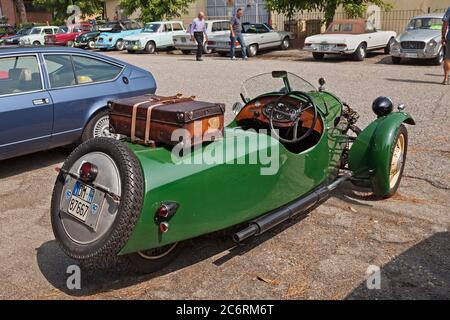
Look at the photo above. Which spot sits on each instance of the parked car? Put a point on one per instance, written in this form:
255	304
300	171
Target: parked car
37	35
52	96
155	35
257	36
118	199
214	28
87	40
6	30
65	36
14	40
421	40
349	37
113	34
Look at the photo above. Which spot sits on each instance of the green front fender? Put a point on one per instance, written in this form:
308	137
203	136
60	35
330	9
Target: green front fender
370	155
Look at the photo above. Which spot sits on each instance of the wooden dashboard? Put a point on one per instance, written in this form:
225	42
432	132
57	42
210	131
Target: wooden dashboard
255	111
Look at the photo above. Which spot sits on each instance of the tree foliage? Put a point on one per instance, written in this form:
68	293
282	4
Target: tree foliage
59	7
354	8
20	6
153	10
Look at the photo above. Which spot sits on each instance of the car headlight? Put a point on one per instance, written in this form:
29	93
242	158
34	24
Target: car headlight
432	45
395	45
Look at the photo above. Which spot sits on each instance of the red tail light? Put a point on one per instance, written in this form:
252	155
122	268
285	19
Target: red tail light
211	43
88	172
110	39
237	44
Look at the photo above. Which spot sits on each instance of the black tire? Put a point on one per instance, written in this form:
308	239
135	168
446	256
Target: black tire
285	44
91	45
440	57
139	264
186	52
318	56
103	253
360	53
401	132
387	49
120	45
36	43
396	60
131	51
150	47
88	132
252	50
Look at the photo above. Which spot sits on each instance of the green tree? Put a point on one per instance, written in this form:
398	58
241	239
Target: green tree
153	10
58	8
20	6
354	8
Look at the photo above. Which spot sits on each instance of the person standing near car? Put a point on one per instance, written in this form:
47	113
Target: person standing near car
236	35
446	43
198	34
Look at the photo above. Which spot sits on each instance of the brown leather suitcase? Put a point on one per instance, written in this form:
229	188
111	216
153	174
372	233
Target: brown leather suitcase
152	119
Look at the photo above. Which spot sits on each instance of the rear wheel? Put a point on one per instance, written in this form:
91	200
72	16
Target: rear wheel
97	242
97	127
286	44
396	60
150	47
361	52
36	43
152	260
318	56
387	49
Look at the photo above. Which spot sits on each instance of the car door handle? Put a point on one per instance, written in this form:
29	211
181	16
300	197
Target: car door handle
40	102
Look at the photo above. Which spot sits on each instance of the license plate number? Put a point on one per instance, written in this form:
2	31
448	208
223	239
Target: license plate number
81	200
324	47
183	40
411	55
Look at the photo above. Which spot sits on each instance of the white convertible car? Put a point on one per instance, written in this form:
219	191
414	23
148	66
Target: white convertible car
349	37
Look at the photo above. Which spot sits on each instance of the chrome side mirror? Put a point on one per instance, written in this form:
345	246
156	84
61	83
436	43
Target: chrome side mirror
322	84
401	107
237	108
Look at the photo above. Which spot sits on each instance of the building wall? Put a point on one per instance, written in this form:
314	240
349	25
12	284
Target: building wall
8	10
33	14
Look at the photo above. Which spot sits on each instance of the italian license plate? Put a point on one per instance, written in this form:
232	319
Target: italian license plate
81	201
324	47
223	44
411	55
183	40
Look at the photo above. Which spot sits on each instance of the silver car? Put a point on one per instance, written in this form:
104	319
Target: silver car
256	36
421	40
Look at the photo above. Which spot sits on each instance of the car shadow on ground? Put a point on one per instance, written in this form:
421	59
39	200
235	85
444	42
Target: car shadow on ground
16	166
337	58
421	272
414	81
407	62
53	263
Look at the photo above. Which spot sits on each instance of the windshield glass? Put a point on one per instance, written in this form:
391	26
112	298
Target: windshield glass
63	29
425	23
35	31
151	27
267	83
112	26
24	32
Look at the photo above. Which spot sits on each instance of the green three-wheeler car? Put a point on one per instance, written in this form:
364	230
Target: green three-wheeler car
288	148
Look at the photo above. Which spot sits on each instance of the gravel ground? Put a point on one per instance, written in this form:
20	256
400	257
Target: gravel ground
322	255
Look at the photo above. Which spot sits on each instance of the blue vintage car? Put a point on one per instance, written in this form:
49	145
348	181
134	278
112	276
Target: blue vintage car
52	97
113	33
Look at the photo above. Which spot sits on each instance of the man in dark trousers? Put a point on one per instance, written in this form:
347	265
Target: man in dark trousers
236	35
446	43
198	34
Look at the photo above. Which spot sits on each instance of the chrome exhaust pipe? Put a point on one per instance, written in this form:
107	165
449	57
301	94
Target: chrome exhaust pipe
274	218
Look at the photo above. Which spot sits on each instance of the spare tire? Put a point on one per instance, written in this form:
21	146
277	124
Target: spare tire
95	234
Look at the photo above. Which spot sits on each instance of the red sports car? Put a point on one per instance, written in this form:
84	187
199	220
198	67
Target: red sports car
66	35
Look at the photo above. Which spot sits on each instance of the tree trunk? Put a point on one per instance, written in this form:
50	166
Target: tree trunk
20	6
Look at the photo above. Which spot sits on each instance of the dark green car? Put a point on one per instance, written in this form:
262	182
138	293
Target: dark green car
288	148
86	40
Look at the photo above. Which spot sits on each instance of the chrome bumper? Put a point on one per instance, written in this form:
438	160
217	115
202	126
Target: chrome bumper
414	54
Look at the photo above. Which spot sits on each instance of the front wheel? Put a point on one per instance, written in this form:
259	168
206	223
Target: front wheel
397	162
440	57
36	43
150	47
120	45
361	52
286	44
153	260
91	45
387	49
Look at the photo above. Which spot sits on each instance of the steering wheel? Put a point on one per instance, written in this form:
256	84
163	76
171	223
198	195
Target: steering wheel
294	116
